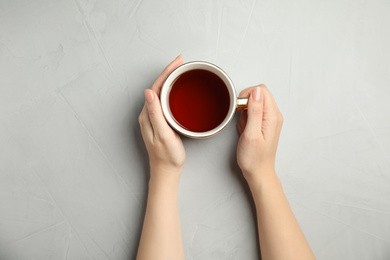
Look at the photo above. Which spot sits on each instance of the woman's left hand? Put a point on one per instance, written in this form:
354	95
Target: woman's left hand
165	148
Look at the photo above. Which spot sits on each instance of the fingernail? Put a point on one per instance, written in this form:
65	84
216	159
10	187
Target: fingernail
178	57
256	94
149	96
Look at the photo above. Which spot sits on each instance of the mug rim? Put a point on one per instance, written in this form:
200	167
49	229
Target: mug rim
167	85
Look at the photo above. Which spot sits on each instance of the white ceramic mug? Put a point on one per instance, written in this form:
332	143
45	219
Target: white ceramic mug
236	103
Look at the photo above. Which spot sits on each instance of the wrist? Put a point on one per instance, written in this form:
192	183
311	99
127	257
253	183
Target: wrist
163	192
163	188
266	185
165	167
259	174
166	178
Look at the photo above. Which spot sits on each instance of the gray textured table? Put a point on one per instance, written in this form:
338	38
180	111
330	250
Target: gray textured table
73	167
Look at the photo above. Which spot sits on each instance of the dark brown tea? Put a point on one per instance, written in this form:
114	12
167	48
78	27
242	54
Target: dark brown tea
199	100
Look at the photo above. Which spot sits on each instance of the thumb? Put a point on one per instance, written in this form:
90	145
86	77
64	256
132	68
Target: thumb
255	113
155	113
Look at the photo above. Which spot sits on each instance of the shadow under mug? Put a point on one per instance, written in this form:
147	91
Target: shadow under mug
236	103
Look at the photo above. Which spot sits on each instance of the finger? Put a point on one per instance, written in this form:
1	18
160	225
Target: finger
242	121
156	87
246	92
270	106
157	120
255	113
145	125
271	113
269	101
272	118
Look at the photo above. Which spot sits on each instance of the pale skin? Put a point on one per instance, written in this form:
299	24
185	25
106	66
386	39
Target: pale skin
259	127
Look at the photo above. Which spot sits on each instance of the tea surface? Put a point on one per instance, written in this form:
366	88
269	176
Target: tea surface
199	100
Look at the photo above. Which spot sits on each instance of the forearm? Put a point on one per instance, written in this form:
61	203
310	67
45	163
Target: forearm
161	234
279	232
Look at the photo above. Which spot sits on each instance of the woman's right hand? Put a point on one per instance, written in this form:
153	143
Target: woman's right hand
259	129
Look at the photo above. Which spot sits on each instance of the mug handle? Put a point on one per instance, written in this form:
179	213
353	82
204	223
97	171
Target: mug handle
242	103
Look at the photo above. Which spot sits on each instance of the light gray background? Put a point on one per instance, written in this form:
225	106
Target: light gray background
73	167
